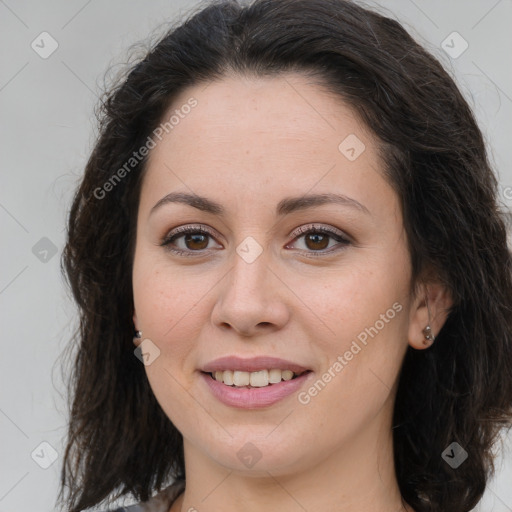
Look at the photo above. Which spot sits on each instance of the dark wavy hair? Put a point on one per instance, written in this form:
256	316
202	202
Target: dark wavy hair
119	439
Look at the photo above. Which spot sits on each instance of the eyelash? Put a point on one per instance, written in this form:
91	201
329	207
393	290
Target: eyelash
298	233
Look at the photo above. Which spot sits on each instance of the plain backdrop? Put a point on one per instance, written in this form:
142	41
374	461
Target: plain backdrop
47	131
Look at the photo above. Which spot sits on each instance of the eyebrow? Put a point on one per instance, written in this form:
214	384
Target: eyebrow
285	206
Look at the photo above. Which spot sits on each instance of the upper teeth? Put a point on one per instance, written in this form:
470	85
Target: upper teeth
256	379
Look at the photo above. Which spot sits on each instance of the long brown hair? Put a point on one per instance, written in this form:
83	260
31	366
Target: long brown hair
460	390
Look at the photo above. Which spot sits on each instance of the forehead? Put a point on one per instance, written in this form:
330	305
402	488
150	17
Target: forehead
258	136
285	109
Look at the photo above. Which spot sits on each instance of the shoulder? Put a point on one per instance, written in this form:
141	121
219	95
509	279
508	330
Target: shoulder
161	502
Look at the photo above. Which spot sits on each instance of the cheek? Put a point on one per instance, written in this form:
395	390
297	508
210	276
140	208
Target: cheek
361	368
167	304
344	303
363	313
164	298
173	307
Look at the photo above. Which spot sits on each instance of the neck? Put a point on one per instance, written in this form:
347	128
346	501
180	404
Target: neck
358	477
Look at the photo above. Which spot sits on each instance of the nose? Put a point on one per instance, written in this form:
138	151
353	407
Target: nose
251	299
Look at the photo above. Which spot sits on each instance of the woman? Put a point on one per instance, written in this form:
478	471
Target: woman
292	274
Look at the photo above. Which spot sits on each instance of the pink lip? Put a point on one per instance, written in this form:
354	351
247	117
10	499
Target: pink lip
253	364
254	398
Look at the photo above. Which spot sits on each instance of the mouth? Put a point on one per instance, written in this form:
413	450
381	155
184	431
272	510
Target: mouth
254	389
256	379
253	383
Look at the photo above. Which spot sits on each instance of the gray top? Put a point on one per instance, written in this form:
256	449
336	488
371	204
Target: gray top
161	502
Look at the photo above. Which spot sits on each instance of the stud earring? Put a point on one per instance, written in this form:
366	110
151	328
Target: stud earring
427	332
429	335
137	338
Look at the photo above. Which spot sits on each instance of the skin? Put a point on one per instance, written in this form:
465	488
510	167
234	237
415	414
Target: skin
249	143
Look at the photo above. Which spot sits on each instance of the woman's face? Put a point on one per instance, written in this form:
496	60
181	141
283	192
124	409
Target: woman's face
297	252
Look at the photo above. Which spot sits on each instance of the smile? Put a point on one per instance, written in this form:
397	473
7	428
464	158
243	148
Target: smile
248	396
258	379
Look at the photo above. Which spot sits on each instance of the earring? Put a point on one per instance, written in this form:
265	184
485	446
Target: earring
427	332
429	335
137	338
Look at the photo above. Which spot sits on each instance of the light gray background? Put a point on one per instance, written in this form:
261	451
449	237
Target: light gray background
47	130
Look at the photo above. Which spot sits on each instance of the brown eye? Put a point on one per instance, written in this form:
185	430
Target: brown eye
189	241
196	241
317	241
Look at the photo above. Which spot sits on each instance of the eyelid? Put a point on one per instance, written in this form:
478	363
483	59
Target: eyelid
190	227
319	227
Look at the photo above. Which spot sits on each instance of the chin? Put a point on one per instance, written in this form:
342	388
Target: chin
260	454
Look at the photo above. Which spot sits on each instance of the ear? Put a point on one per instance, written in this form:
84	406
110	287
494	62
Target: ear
136	341
436	298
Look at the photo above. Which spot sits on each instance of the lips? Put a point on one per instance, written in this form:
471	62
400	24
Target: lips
257	379
248	397
254	364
